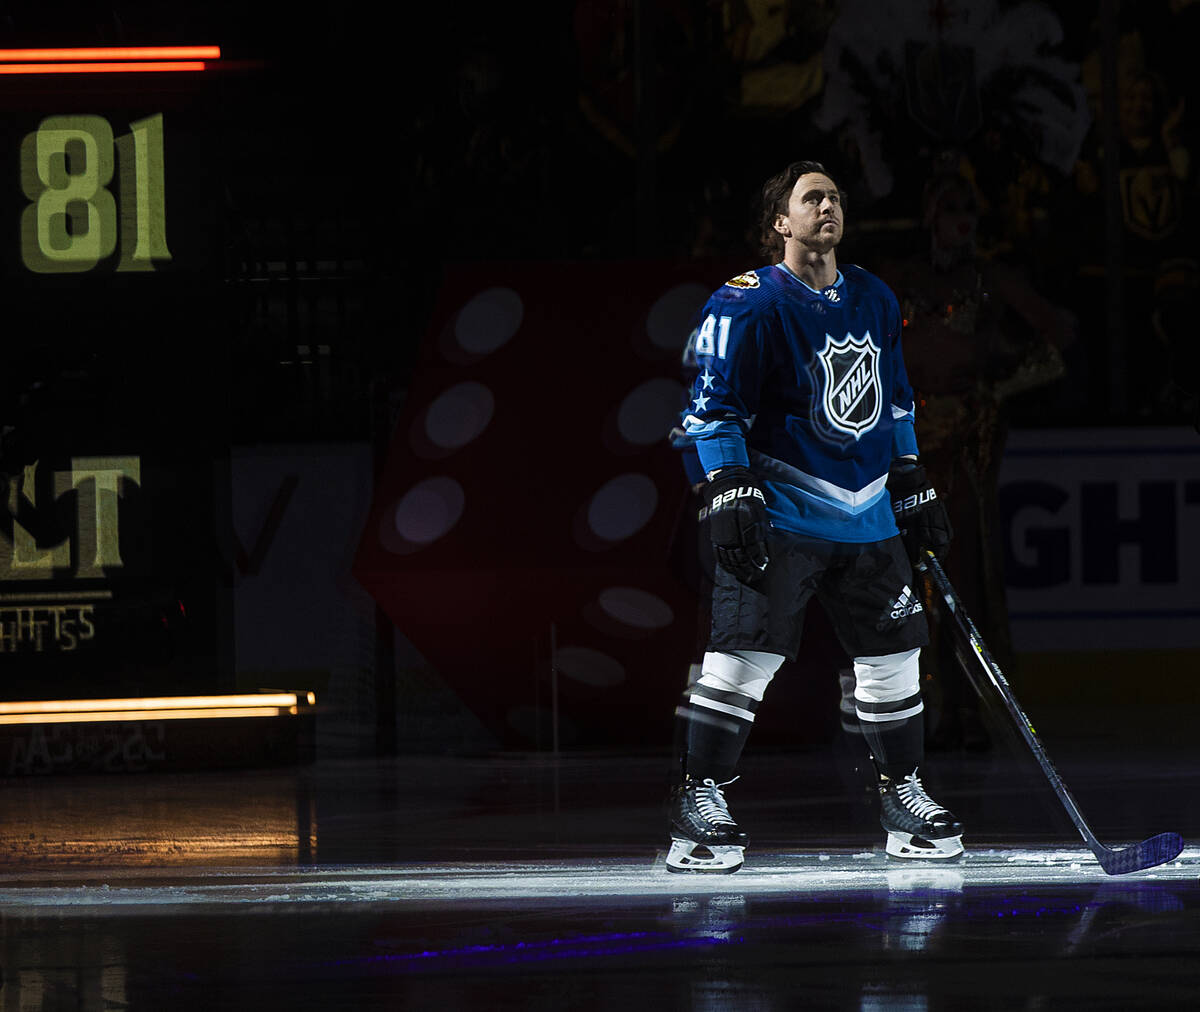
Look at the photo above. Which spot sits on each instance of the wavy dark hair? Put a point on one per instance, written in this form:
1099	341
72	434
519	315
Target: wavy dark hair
775	193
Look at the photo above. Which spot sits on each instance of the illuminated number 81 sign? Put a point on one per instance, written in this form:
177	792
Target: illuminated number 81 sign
73	222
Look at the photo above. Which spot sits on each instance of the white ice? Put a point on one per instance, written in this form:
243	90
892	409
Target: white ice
799	874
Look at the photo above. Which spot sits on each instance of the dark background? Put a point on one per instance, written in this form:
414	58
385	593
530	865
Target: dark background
341	170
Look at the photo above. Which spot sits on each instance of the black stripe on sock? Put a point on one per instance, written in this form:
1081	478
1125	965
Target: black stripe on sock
711	718
892	706
728	698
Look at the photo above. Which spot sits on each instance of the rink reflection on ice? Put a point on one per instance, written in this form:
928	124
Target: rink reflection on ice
454	884
847	929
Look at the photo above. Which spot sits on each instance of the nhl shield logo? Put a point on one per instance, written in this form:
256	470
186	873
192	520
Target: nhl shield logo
852	394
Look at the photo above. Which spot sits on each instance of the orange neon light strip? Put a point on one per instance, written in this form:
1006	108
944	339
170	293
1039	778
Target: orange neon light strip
111	53
100	68
254	699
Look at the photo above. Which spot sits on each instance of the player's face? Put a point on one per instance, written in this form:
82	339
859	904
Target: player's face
814	214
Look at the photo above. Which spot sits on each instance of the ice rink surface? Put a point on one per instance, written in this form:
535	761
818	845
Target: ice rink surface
529	882
611	881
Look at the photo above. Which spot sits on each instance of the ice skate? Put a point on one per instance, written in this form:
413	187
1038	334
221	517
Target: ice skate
917	826
704	837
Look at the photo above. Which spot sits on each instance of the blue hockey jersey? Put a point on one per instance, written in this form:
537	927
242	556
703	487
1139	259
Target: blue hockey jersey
807	388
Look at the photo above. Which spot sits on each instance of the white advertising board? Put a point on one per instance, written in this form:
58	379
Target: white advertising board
1102	530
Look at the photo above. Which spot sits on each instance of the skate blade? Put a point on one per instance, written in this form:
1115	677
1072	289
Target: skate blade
909	848
689	857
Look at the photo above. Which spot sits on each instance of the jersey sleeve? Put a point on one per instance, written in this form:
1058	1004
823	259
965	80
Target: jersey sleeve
731	355
692	467
904	436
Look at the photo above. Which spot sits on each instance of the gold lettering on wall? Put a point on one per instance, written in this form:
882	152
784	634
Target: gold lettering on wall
98	479
99	483
26	560
38	628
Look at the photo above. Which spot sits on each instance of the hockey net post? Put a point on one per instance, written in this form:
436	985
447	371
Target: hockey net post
1155	851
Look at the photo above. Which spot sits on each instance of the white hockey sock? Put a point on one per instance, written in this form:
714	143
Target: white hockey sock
718	710
887	699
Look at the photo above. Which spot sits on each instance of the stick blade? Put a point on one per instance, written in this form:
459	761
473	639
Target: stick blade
1147	854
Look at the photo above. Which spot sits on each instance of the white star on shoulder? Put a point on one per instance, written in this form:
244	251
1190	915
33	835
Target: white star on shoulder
701	402
707	379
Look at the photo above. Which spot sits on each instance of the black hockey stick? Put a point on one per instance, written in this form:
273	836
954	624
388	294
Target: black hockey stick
1157	850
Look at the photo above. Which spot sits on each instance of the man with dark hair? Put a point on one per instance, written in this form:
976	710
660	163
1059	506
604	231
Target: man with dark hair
803	419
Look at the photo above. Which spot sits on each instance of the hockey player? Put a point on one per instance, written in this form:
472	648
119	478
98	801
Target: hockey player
803	419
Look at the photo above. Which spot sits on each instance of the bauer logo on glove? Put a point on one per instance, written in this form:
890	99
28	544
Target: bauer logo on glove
920	514
914	502
728	497
737	516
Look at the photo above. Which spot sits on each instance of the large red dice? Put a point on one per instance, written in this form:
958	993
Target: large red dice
521	533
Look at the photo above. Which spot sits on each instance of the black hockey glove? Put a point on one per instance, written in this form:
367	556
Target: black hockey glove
920	514
737	515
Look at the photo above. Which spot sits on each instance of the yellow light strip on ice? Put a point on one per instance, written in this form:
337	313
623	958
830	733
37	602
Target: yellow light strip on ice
68	711
119	715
